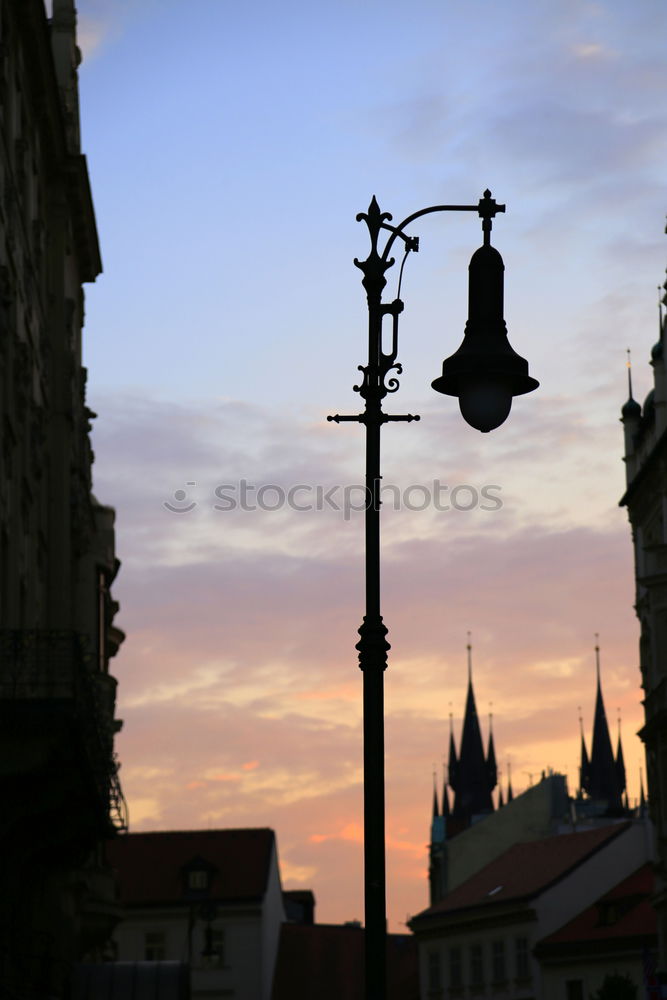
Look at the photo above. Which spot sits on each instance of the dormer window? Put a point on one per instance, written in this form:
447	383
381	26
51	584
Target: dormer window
198	878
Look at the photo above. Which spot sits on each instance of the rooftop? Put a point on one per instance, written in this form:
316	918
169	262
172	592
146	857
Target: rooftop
150	866
525	870
624	912
326	961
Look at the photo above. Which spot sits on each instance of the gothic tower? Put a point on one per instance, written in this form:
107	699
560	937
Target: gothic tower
602	776
645	438
472	776
472	773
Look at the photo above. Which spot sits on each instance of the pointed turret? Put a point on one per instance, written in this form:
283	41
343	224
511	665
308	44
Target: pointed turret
445	801
603	784
631	414
510	793
620	762
491	767
659	375
445	793
501	801
436	869
584	766
453	765
436	810
473	790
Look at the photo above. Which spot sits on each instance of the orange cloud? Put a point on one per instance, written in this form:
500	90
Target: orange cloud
351	831
250	765
344	692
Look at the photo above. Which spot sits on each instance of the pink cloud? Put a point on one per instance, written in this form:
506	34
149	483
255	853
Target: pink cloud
239	653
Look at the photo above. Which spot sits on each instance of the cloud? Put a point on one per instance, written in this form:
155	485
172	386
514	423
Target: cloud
239	683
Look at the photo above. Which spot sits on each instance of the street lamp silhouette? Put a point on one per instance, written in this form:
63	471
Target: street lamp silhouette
485	373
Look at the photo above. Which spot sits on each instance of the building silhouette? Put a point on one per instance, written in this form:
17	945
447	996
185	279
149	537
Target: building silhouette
494	933
602	774
58	776
213	899
645	456
469	833
210	898
472	776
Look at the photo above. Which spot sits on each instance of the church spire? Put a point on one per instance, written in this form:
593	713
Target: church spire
491	766
445	797
436	810
453	765
473	788
631	410
620	762
584	766
603	773
510	793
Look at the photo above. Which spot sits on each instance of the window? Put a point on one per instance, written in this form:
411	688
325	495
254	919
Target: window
198	879
434	971
476	965
522	966
455	969
154	946
574	989
498	954
213	954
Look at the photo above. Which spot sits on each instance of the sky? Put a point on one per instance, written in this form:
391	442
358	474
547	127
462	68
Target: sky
230	148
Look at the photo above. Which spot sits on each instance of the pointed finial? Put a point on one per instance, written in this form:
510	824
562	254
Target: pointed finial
490	718
660	298
451	720
618	720
629	364
597	655
469	648
581	721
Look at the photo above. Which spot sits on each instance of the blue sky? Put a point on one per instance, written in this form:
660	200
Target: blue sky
230	148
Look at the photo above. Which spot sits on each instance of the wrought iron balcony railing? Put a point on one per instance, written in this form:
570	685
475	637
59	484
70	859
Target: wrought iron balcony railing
54	668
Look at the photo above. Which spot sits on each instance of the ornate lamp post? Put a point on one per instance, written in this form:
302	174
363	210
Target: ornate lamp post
485	373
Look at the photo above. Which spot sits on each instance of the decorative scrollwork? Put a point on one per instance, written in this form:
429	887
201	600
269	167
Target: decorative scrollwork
364	385
392	384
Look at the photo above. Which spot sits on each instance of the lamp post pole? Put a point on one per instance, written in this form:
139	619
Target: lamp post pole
376	383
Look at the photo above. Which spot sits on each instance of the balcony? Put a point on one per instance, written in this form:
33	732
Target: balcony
57	727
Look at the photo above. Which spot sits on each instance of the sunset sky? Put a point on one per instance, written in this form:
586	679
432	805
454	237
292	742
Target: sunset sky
230	148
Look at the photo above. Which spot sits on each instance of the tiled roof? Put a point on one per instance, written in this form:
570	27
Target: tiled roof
149	866
624	912
525	870
326	962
